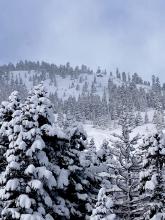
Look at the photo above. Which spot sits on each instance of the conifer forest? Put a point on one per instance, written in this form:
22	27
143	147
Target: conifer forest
82	110
51	168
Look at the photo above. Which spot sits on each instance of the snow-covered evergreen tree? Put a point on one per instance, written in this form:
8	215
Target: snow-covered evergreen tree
146	119
60	119
159	120
69	121
91	154
104	153
77	192
106	164
132	120
126	170
104	207
92	143
152	178
93	88
82	185
28	179
138	119
7	108
154	120
158	117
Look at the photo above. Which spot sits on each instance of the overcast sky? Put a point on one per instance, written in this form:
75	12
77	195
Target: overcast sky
129	34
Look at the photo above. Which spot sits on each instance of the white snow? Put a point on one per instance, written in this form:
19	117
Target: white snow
24	201
12	185
31	217
38	144
100	135
48	201
35	184
14	212
62	180
158	216
43	173
82	196
64	84
152	183
30	169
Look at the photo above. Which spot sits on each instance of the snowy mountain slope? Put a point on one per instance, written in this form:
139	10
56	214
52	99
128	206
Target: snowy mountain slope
63	86
99	135
68	86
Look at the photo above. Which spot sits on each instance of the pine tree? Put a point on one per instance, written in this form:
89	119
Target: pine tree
6	110
126	170
104	207
138	119
154	120
152	178
27	179
158	114
105	153
91	152
124	78
92	144
146	119
60	119
106	164
69	121
158	119
93	88
76	193
132	120
82	186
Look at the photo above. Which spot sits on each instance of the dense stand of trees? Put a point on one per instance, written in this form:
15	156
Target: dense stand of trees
50	173
42	175
48	169
103	109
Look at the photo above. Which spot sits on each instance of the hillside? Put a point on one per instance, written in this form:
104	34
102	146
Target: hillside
68	85
83	94
100	135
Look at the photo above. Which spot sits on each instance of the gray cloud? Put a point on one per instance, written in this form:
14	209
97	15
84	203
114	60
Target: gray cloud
126	34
